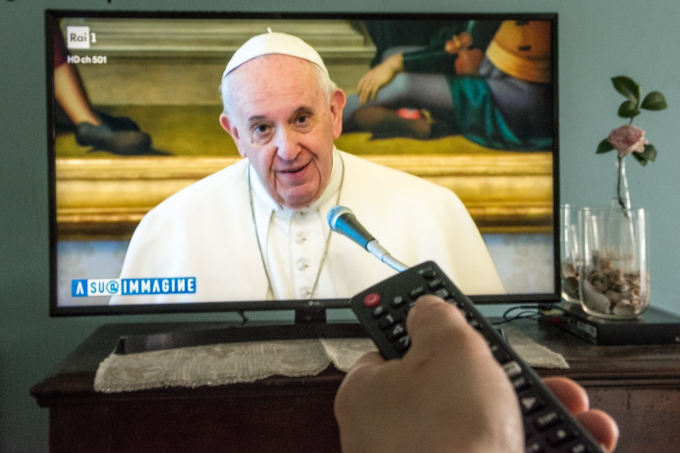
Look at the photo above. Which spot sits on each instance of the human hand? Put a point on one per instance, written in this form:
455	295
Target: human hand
379	76
459	42
446	394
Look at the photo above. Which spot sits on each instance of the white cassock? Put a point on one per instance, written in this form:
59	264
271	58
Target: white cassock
206	231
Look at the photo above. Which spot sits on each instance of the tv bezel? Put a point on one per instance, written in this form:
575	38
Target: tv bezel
303	306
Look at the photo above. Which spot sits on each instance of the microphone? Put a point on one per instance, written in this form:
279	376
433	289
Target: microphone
342	220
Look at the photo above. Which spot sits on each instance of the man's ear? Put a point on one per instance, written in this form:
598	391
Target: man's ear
338	101
227	126
233	131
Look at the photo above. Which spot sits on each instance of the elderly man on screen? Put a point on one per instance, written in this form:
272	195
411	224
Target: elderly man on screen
257	229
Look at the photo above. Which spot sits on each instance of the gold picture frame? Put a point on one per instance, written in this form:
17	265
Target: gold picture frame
106	198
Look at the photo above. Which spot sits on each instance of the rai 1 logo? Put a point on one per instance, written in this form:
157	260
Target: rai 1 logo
79	37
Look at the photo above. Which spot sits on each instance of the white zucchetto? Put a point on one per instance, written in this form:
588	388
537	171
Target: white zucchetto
273	43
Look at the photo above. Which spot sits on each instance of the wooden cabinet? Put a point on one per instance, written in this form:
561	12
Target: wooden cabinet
638	385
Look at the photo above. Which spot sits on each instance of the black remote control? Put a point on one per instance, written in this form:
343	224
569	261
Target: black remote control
382	310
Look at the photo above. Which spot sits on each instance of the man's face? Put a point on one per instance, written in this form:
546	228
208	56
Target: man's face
282	122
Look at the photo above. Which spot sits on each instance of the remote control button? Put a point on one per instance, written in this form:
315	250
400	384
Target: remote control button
560	436
428	273
402	344
512	369
371	300
389	320
580	448
476	324
521	383
533	447
465	312
379	311
417	292
500	354
444	294
398	301
545	421
396	332
531	403
435	284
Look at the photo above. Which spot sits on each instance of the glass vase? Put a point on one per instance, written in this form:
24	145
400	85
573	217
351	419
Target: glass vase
569	253
614	273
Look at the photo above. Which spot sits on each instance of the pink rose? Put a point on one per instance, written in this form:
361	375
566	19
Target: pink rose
626	139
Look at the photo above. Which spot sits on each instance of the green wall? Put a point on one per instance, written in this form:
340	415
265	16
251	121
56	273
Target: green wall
598	39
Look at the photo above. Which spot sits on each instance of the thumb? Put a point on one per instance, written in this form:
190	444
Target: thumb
434	324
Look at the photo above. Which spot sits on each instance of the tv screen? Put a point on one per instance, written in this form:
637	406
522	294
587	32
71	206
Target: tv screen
446	149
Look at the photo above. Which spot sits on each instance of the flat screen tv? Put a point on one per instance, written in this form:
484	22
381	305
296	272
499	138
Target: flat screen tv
133	108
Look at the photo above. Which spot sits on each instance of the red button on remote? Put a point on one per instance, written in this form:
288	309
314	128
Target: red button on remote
371	300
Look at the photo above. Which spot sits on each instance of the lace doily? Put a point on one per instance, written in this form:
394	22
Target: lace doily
247	362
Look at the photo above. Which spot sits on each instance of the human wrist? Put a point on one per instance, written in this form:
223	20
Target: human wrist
395	62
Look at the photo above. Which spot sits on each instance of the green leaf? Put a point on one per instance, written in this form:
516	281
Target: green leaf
649	152
628	110
627	87
648	155
654	101
640	158
604	147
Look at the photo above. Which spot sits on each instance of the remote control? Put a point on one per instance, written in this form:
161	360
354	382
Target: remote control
382	310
